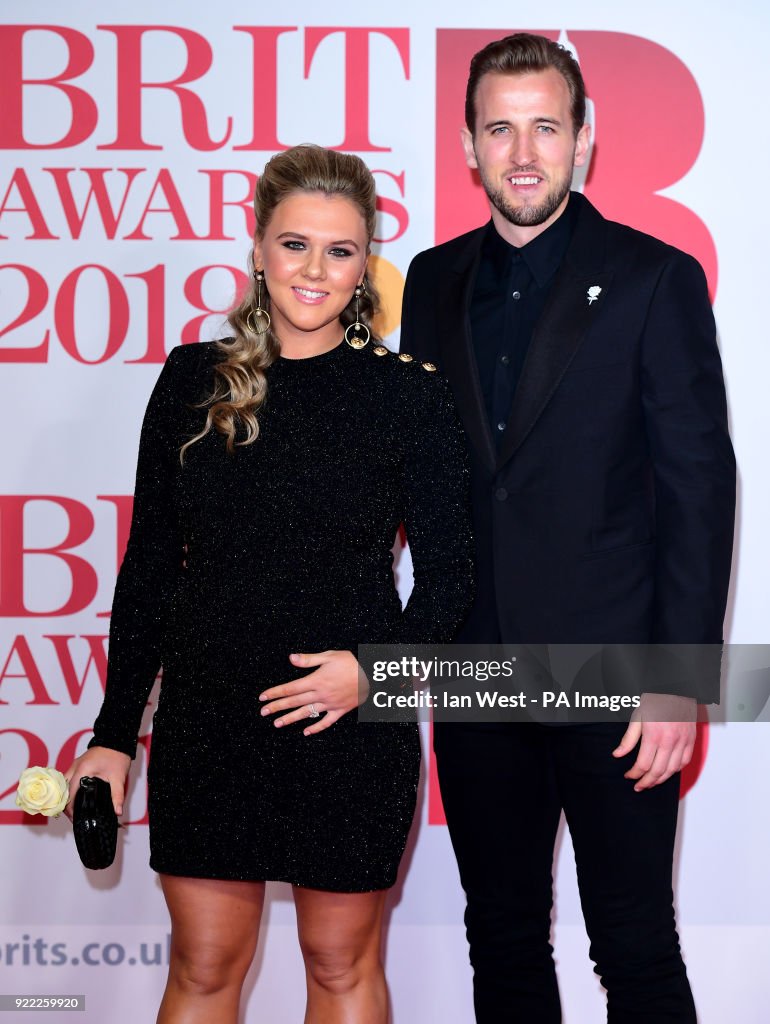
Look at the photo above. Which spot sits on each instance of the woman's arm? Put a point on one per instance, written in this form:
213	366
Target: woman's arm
437	512
150	568
437	520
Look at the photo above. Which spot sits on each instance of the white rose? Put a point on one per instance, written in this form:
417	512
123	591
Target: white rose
42	791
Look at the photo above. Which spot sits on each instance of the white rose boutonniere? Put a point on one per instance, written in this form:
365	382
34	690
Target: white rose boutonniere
42	791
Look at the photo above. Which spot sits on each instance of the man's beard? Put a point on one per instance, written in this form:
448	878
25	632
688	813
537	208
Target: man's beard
526	215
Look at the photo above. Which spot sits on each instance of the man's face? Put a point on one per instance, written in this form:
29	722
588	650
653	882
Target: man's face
524	149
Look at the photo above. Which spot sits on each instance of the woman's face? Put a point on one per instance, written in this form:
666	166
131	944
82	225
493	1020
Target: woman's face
313	255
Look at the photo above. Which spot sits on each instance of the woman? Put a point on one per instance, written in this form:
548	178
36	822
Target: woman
274	470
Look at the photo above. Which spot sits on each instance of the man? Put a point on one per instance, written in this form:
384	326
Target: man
583	359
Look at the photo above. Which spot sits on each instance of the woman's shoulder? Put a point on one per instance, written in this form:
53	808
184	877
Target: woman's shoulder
193	361
192	358
414	392
187	376
409	383
400	369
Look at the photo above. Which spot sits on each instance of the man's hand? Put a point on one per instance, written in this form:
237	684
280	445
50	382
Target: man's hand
336	687
665	724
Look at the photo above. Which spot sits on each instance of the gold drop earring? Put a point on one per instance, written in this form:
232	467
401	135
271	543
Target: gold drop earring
356	339
258	319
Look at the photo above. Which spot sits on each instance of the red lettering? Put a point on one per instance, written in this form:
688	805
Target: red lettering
131	85
174	206
357	78
436	814
117	318
97	191
193	292
83	580
393	208
37	297
627	175
97	657
69	751
264	43
30	206
124	508
217	203
155	280
29	671
12	84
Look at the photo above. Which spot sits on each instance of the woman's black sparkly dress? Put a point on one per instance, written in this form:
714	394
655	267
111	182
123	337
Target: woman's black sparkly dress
288	548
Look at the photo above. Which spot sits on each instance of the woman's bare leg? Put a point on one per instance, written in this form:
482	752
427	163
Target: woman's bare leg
214	932
340	935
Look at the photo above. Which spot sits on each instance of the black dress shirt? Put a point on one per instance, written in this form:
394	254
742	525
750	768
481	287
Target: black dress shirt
509	295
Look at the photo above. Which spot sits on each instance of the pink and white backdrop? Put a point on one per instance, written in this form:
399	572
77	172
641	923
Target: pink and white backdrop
130	139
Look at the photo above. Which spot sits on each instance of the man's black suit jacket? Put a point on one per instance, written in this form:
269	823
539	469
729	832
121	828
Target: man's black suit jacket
606	514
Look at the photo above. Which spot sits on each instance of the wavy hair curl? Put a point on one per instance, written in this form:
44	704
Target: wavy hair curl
240	384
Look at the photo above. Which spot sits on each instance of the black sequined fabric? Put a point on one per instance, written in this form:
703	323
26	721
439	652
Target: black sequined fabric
236	561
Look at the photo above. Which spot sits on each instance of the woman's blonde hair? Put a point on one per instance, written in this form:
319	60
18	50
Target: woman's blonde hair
240	384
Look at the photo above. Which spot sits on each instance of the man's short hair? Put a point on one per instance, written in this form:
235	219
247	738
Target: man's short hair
521	54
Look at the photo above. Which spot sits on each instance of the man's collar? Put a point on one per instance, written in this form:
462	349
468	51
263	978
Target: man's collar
542	255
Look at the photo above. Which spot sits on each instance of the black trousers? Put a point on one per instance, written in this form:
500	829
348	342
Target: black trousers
504	787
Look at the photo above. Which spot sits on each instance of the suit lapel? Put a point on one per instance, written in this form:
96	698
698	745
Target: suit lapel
459	361
567	316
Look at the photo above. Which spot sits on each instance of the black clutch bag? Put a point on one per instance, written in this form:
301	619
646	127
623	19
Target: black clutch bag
95	823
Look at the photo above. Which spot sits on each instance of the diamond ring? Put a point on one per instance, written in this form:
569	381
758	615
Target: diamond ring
313	712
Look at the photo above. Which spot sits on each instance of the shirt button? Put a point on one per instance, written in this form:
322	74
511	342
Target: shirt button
501	425
501	494
516	296
505	360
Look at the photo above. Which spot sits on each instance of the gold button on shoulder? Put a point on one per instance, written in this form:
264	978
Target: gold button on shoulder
405	357
431	367
380	350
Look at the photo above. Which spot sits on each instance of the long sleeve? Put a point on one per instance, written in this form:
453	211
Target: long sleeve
694	471
150	568
437	517
686	422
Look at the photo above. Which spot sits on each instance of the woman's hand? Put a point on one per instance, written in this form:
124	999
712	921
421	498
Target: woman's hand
336	687
101	763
